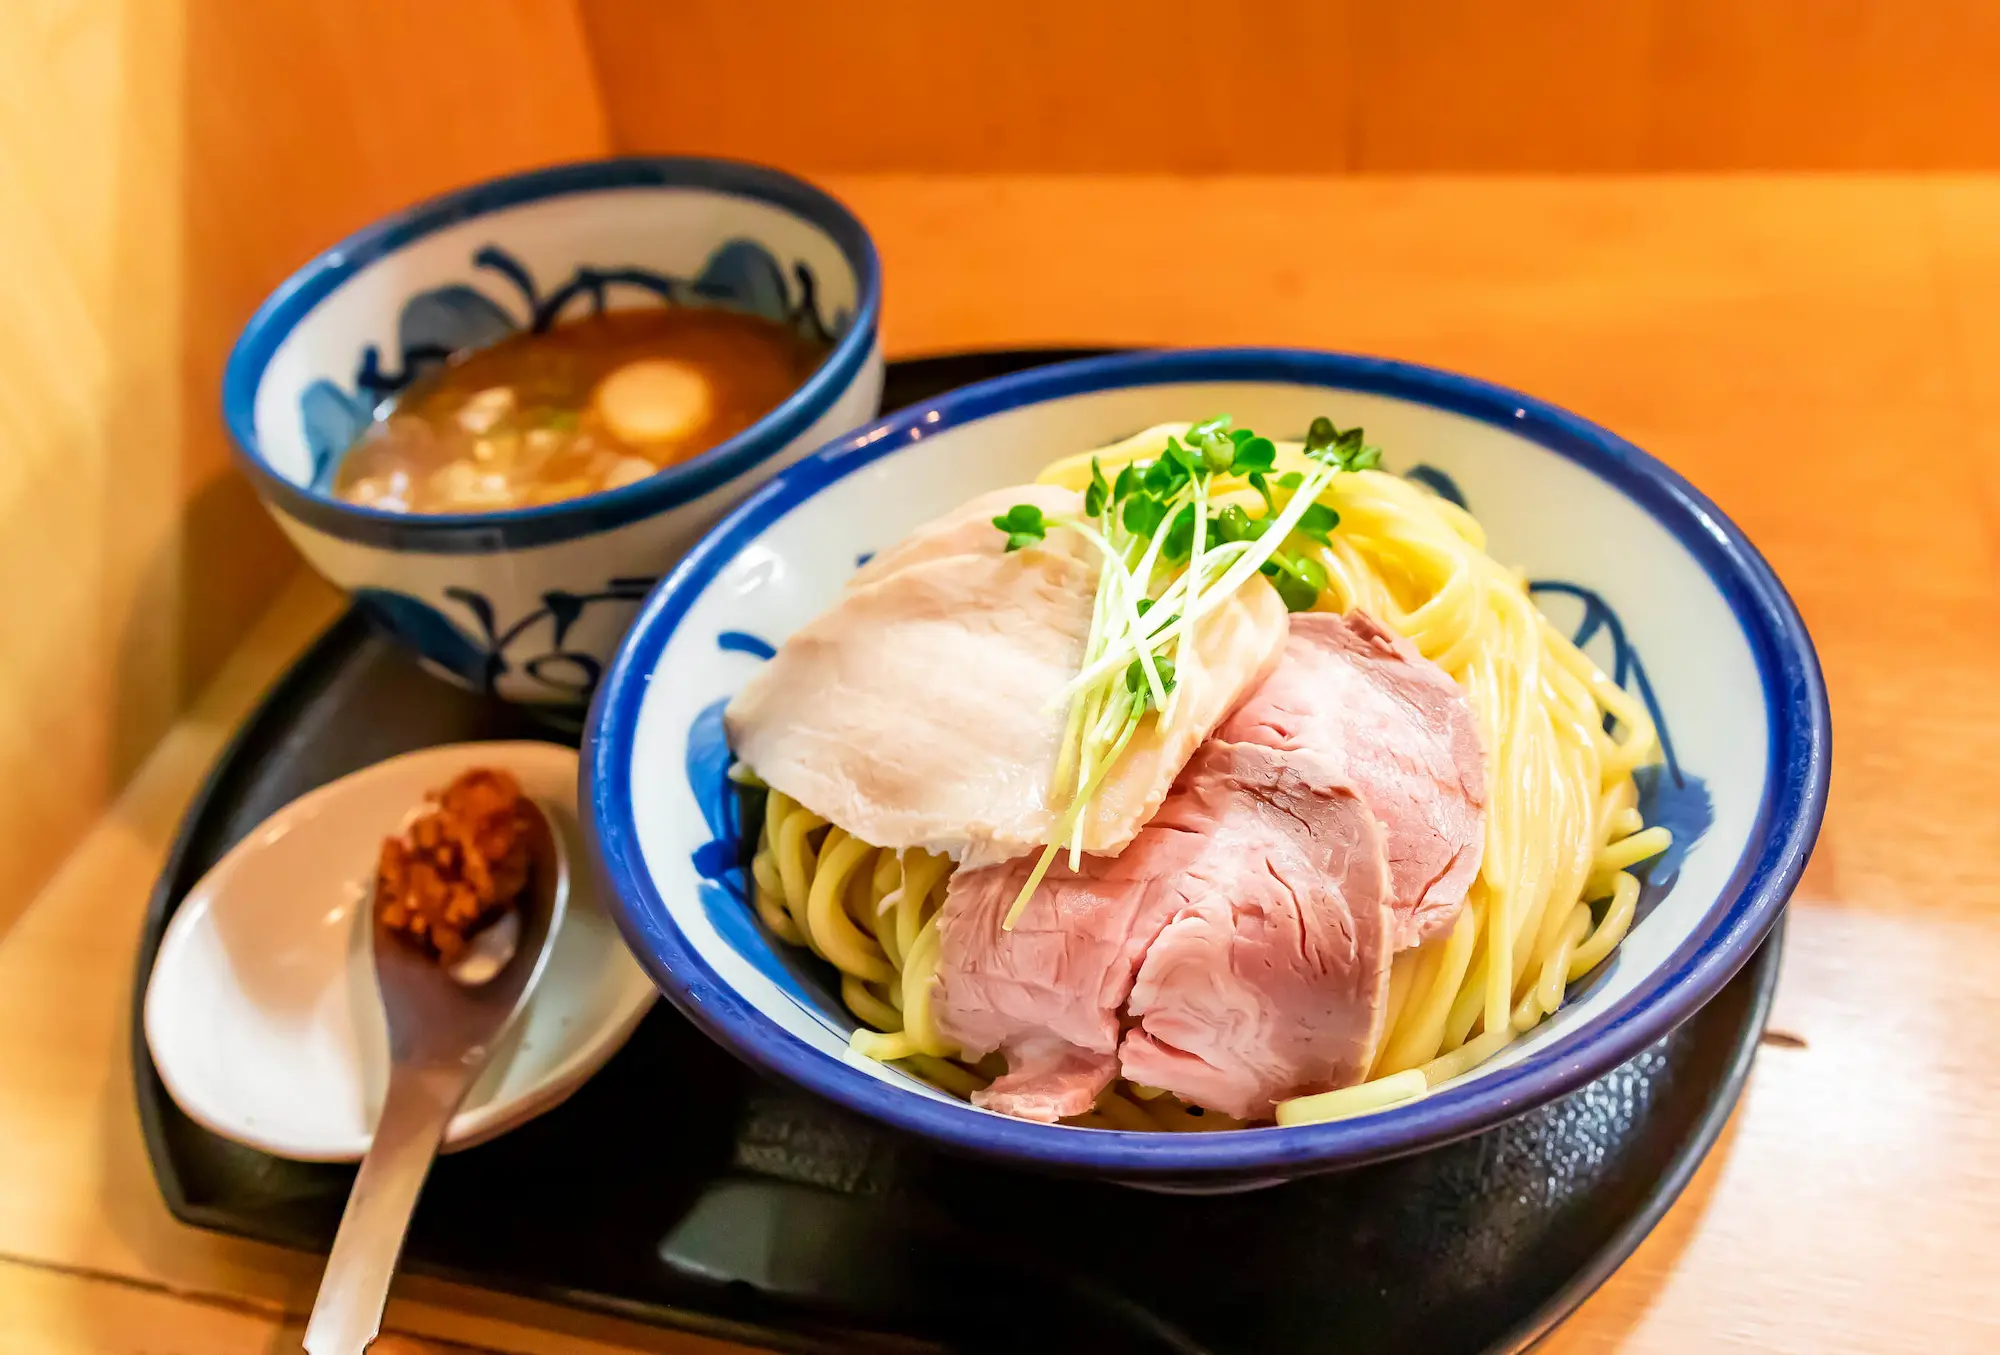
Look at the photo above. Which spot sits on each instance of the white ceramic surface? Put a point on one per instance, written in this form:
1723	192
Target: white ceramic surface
262	1015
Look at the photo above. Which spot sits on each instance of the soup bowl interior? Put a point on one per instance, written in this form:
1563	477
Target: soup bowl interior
1620	553
530	602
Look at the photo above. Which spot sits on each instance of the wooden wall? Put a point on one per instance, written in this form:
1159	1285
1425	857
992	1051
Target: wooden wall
1200	86
163	165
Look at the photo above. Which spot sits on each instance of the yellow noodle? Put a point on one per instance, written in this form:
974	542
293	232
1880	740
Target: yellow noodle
771	911
1402	973
943	1074
795	857
1562	823
1631	850
917	976
876	906
832	931
1617	921
767	888
1555	969
1572	823
1357	1100
888	874
1122	1114
1419	1037
764	872
1469	1007
887	1047
864	1003
1466	1057
923	873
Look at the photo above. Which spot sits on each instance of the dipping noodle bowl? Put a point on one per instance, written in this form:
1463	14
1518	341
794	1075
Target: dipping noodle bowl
498	417
587	405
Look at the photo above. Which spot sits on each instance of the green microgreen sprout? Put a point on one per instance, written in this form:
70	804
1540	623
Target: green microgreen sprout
1179	545
1341	448
1170	555
1141	692
1142	514
1262	484
1098	493
1318	523
1254	456
1024	526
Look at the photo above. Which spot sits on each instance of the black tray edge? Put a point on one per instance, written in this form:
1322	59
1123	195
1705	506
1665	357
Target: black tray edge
1766	965
343	634
161	902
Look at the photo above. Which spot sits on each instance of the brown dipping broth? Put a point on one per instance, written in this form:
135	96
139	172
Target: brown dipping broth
592	404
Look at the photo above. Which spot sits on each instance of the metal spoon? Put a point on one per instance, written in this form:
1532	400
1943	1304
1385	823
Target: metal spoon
443	1023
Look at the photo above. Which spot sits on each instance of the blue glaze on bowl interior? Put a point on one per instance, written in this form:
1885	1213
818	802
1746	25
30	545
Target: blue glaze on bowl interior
1635	560
529	603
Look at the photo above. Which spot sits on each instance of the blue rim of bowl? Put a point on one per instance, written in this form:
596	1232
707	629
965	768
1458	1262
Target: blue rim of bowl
1781	839
472	533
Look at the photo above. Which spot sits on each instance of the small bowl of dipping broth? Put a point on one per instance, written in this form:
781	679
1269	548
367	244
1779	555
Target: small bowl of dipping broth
497	417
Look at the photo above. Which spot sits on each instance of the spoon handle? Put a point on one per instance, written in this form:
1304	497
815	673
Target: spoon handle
347	1315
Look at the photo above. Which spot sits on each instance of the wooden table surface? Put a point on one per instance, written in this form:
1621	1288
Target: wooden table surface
1816	353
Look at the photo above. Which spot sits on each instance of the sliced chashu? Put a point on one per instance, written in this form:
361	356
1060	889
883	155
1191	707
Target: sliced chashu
1047	994
1244	936
913	712
1393	725
968	530
922	709
1271	980
1236	648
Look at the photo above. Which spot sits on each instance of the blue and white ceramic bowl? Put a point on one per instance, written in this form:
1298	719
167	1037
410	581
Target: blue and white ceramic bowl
530	603
1649	576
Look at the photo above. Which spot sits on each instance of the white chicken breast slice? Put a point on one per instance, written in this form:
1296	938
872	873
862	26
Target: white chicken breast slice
1236	647
923	708
968	530
913	713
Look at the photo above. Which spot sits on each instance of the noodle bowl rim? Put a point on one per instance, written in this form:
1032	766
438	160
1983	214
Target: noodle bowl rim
1799	745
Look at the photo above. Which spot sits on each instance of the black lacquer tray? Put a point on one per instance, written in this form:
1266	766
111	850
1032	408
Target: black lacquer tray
676	1187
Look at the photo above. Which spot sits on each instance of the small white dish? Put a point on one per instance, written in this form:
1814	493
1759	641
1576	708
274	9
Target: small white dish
262	1015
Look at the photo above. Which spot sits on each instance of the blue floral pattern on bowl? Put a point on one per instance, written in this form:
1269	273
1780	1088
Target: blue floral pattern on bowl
481	660
1669	796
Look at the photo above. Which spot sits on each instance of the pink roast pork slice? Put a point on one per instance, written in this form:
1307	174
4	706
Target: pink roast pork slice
1272	978
1394	726
1248	925
1238	951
